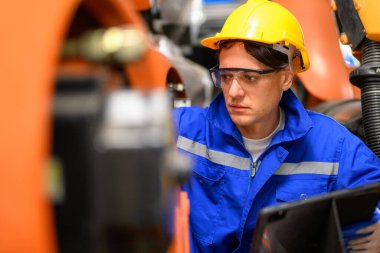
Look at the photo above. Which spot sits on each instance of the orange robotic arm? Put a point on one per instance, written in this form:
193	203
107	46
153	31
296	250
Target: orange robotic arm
327	79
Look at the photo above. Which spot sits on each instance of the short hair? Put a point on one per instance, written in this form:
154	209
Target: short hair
266	55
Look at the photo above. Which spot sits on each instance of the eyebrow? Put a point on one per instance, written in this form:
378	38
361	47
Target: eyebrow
259	71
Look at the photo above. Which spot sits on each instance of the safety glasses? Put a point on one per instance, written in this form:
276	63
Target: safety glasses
247	77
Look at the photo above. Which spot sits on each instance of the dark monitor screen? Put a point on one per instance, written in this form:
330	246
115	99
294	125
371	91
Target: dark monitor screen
314	224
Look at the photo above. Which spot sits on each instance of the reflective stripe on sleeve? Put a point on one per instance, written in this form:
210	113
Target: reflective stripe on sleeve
217	157
322	168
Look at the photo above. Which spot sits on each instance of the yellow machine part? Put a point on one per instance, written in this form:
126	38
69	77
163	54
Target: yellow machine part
368	11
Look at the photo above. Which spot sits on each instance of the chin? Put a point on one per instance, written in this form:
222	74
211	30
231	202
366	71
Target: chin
240	121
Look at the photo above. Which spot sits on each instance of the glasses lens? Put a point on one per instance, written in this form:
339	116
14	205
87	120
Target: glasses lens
222	77
247	77
215	76
226	77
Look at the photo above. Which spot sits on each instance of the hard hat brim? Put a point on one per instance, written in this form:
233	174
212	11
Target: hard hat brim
214	42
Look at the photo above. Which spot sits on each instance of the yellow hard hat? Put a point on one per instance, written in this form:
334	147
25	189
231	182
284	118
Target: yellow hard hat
265	22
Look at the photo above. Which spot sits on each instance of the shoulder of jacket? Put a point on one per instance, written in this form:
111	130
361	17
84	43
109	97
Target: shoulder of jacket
331	128
322	119
190	115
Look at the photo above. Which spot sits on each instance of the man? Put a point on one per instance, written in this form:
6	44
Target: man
255	145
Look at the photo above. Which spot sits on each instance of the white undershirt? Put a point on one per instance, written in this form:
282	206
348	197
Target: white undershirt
257	146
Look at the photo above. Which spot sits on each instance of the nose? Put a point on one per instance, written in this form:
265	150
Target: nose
235	89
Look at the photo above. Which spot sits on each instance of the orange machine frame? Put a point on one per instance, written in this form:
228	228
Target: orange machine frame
328	77
32	34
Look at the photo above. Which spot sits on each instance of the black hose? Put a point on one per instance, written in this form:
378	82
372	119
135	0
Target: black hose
370	52
367	78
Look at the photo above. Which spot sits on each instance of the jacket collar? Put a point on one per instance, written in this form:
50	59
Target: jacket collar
297	122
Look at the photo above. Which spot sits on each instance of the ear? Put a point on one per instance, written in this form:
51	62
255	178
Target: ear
287	78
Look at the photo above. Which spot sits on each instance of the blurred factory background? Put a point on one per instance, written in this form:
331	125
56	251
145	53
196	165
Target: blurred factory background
87	159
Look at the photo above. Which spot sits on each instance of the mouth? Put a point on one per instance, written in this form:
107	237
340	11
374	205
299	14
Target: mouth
237	108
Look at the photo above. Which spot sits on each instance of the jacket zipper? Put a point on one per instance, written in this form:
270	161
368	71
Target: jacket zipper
255	167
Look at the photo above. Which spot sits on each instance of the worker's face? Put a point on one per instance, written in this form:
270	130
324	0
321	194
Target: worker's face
253	107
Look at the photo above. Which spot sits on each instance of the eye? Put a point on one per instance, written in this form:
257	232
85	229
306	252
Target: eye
250	77
225	77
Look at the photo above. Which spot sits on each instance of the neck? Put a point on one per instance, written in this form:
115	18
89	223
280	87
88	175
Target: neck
263	128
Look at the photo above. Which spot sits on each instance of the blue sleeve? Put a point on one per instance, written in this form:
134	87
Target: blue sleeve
377	213
349	232
358	165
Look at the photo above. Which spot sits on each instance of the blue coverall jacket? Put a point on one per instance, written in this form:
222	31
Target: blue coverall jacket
312	155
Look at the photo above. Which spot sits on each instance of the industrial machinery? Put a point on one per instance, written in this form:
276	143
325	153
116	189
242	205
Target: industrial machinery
357	20
87	157
331	86
86	90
